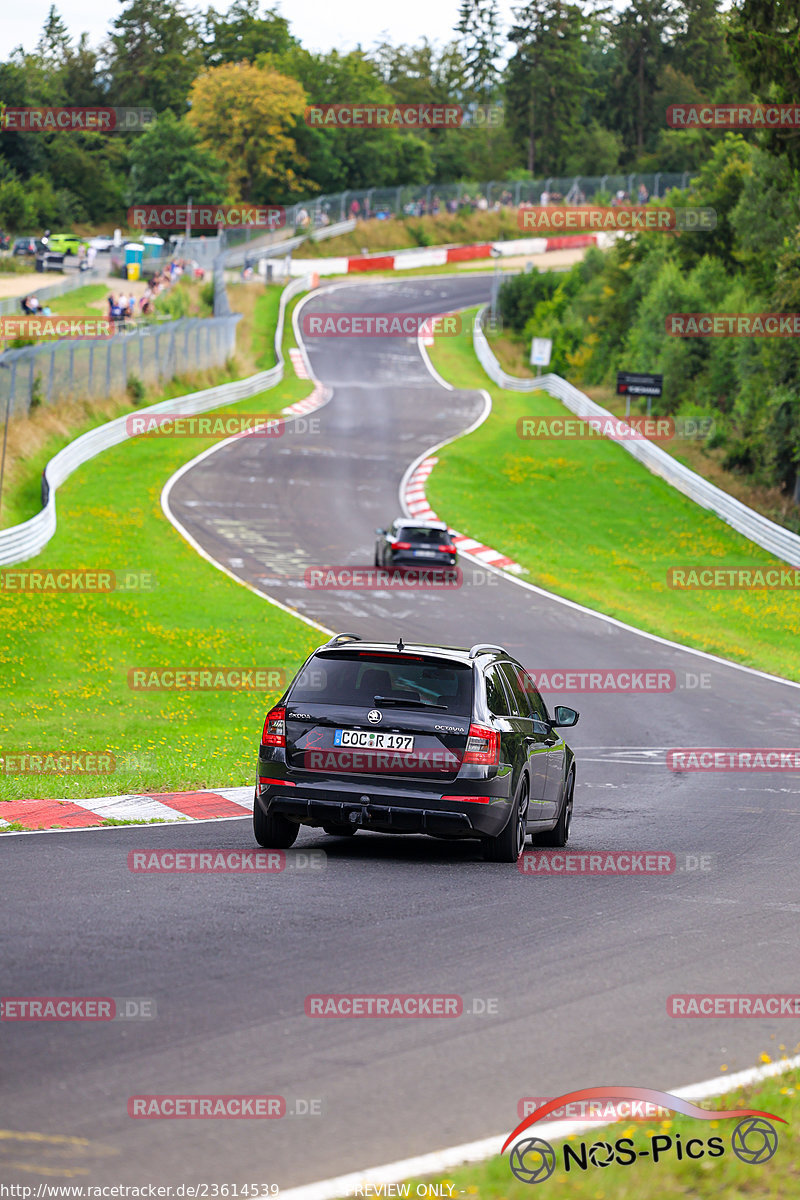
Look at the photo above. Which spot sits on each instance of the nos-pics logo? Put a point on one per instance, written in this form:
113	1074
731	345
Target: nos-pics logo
533	1160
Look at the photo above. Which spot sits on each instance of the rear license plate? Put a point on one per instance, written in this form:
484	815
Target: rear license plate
424	553
373	739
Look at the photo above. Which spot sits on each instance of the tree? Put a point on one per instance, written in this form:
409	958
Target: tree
247	114
479	26
168	165
641	33
241	34
339	158
699	51
546	80
765	43
154	55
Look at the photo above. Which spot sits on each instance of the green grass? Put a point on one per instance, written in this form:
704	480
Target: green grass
65	657
724	1177
264	325
589	523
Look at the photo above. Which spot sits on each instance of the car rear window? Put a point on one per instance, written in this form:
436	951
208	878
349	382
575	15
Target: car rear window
430	537
357	678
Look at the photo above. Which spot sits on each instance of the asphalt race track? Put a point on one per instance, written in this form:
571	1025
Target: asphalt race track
576	969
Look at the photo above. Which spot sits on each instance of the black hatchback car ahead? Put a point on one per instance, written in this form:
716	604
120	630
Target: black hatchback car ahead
415	739
410	543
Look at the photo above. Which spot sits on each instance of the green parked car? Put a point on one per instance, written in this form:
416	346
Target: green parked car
63	243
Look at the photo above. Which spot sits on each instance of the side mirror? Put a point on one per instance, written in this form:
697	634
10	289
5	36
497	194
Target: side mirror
564	717
380	531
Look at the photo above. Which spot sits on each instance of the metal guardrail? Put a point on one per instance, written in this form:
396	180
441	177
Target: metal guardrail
10	306
22	542
759	529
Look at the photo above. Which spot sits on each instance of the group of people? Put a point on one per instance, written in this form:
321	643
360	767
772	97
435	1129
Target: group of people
31	307
123	308
362	211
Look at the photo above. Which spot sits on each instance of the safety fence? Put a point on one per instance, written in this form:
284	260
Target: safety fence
11	307
22	542
58	370
765	533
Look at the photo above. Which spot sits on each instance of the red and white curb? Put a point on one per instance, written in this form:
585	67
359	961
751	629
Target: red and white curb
298	364
417	503
318	397
440	256
169	807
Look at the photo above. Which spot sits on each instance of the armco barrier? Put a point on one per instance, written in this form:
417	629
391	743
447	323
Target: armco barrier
22	542
765	533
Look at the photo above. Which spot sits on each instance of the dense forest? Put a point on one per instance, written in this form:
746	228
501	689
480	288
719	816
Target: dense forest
582	90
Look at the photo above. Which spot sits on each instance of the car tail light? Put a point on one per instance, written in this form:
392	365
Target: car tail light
483	746
470	799
401	545
274	733
268	781
447	549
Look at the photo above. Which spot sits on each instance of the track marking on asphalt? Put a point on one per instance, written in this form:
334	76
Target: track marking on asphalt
49	1146
455	1156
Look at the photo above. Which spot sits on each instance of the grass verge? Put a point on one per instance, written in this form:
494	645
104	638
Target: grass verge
34	439
723	1177
66	656
590	523
512	354
405	233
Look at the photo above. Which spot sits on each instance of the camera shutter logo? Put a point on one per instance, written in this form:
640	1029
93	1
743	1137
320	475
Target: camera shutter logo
532	1161
754	1141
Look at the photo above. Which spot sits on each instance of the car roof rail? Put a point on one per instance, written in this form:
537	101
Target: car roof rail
340	637
481	646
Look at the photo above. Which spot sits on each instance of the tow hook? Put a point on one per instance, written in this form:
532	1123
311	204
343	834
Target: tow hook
358	818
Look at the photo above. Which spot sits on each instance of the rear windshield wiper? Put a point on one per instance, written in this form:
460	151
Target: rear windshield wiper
407	703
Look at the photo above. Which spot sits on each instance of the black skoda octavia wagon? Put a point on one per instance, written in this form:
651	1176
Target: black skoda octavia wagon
415	739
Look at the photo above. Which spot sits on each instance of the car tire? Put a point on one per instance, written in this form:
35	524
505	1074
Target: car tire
559	836
273	832
509	844
340	830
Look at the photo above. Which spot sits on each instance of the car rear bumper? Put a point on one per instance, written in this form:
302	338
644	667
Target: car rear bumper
367	805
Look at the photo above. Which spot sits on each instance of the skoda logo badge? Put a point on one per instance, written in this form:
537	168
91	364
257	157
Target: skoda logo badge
374	716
